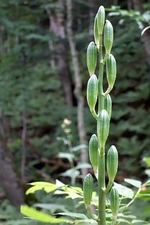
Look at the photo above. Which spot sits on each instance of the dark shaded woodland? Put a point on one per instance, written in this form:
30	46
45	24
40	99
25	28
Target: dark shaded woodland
43	78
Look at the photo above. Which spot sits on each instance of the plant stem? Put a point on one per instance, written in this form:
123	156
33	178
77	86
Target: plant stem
101	188
101	163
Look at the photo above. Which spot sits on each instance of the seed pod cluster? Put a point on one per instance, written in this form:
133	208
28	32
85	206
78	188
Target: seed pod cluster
91	57
88	189
108	36
114	202
93	151
103	127
92	91
112	162
111	70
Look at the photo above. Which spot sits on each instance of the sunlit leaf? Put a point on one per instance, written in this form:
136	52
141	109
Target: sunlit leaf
147	161
147	172
139	221
126	216
47	187
66	155
79	147
133	182
59	184
83	165
121	220
85	222
40	216
124	191
72	173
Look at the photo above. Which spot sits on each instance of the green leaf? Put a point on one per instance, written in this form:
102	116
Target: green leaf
139	221
85	222
59	184
147	183
147	161
51	207
66	155
72	192
124	191
147	172
126	216
72	173
74	215
79	147
120	220
83	165
133	182
48	187
40	216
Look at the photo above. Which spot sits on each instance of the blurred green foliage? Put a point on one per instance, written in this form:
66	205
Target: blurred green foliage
28	84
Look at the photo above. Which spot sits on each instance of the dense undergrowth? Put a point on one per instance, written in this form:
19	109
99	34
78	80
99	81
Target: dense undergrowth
31	86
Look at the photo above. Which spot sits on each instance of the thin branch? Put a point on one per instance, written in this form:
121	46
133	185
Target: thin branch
78	86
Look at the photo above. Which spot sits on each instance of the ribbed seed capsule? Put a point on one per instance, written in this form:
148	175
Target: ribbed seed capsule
108	105
114	202
91	57
96	35
100	19
103	127
111	70
92	91
108	36
112	162
93	151
88	189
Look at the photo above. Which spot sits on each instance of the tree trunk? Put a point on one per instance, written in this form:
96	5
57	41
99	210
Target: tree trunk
57	27
8	178
137	4
78	87
91	16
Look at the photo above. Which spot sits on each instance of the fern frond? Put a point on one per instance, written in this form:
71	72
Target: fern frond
46	186
40	216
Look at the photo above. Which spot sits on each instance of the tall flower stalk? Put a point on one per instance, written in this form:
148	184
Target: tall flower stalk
99	100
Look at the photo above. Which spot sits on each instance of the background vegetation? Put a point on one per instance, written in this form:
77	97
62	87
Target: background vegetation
39	89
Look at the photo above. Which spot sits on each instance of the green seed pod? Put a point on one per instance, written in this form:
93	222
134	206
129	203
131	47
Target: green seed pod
103	127
108	36
112	162
100	19
96	35
114	202
93	151
111	70
92	91
91	57
108	105
88	189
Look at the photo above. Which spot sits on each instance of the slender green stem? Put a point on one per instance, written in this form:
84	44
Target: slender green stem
94	114
109	185
91	214
101	188
101	163
133	198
